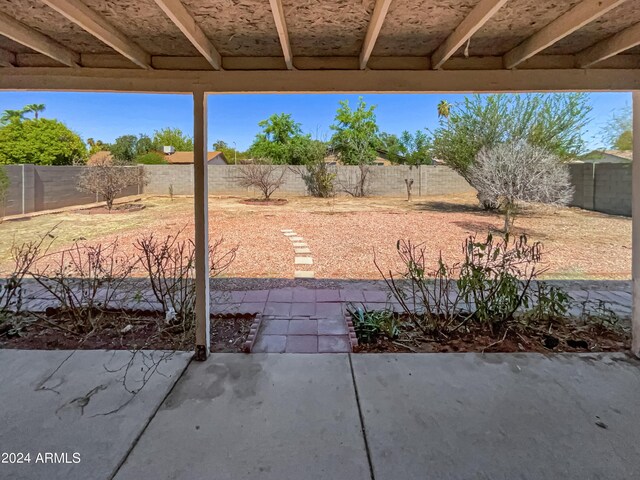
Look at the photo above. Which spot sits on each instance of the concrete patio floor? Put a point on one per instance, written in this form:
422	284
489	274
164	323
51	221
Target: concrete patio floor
339	416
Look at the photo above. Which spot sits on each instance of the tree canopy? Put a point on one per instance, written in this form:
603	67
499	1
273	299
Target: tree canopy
409	148
39	141
618	131
355	133
281	141
172	137
553	122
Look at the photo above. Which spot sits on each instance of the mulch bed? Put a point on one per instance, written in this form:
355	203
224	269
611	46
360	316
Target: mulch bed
121	208
147	331
262	201
557	338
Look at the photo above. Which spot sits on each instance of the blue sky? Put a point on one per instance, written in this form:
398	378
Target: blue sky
234	118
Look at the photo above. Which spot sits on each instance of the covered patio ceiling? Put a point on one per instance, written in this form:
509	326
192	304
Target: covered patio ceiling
320	45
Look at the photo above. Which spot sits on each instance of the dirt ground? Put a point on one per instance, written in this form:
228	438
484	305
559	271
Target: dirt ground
345	233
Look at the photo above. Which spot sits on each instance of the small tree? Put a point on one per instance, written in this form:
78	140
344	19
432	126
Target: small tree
264	176
516	173
108	179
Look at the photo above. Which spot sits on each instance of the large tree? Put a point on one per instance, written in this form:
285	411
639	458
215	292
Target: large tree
172	137
618	131
355	133
125	148
281	141
553	122
40	141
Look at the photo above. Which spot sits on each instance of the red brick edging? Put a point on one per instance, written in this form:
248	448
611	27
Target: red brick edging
253	334
352	331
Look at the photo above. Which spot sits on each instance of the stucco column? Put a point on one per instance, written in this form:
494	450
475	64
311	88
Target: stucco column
201	209
635	269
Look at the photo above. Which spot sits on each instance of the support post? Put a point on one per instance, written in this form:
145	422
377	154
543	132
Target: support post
201	209
635	255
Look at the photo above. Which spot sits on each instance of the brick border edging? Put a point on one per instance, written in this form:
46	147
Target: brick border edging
253	334
353	339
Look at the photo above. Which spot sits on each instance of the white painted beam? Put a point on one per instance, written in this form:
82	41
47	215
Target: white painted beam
179	15
18	32
99	27
283	33
470	25
7	58
583	13
201	210
326	81
377	19
635	212
624	40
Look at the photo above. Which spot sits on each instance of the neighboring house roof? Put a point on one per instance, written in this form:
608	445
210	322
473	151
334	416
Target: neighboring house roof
186	158
607	156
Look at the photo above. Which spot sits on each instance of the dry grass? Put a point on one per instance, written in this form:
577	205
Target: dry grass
344	232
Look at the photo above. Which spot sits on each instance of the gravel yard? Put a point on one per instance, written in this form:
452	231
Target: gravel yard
344	233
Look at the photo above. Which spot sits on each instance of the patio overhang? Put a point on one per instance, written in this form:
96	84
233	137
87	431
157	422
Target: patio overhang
285	46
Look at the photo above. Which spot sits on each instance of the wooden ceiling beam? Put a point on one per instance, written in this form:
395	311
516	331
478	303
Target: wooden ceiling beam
470	25
92	22
609	47
27	36
179	15
283	33
377	19
7	58
583	13
329	81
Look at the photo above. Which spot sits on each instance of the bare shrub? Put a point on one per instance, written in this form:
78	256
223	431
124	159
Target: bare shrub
517	173
263	176
107	179
23	256
356	182
169	263
493	282
85	280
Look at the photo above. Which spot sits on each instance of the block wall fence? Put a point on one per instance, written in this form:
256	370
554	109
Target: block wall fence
602	187
384	181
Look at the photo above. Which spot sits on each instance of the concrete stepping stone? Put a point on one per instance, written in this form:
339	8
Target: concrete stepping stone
300	245
290	234
303	274
296	239
303	261
301	250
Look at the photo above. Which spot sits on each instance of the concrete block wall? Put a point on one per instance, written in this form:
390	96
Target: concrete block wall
441	180
383	181
161	177
613	189
602	187
33	188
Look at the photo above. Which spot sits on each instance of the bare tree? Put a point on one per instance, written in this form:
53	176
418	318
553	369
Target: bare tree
517	172
264	176
356	181
108	179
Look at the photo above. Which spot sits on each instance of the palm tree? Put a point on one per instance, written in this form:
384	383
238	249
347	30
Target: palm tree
10	116
444	109
35	108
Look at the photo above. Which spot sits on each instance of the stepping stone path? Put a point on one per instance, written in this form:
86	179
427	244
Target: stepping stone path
303	334
303	259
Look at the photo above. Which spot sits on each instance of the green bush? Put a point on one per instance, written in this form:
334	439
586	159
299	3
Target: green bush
151	158
371	325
